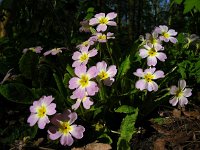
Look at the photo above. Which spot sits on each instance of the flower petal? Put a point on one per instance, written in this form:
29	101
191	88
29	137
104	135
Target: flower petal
159	74
173	101
151	61
182	84
80	70
187	92
51	109
77	131
141	84
87	103
66	140
73	83
92	89
93	52
76	105
183	101
32	119
42	122
54	136
112	23
173	90
93	21
76	55
101	27
143	53
161	56
112	70
111	15
92	72
139	72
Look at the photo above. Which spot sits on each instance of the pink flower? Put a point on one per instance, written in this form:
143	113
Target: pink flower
152	53
54	51
180	94
85	27
153	39
85	100
81	57
106	74
40	110
36	49
82	82
86	44
147	78
166	35
103	21
102	38
65	129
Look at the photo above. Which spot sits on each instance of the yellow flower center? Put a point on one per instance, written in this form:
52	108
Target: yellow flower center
41	112
86	43
84	57
179	93
103	75
152	52
84	81
166	35
102	37
32	49
154	41
148	77
65	127
56	49
103	20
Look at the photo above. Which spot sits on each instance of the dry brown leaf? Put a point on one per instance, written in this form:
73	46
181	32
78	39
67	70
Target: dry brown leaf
159	144
95	146
194	114
162	130
176	113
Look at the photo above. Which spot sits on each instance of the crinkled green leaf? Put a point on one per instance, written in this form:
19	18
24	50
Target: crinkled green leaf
125	109
127	129
125	66
17	92
28	64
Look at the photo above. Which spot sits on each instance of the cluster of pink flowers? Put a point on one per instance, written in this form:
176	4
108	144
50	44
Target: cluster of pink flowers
63	123
152	49
84	83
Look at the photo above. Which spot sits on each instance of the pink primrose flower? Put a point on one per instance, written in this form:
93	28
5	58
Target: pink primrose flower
40	110
106	74
87	102
81	57
103	21
152	53
36	49
85	27
102	38
82	82
166	34
153	39
54	51
86	44
180	94
148	75
65	129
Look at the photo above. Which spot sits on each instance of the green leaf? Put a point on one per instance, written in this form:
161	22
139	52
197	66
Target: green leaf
125	109
105	138
18	132
90	10
178	1
28	64
127	129
189	5
17	92
70	70
125	66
